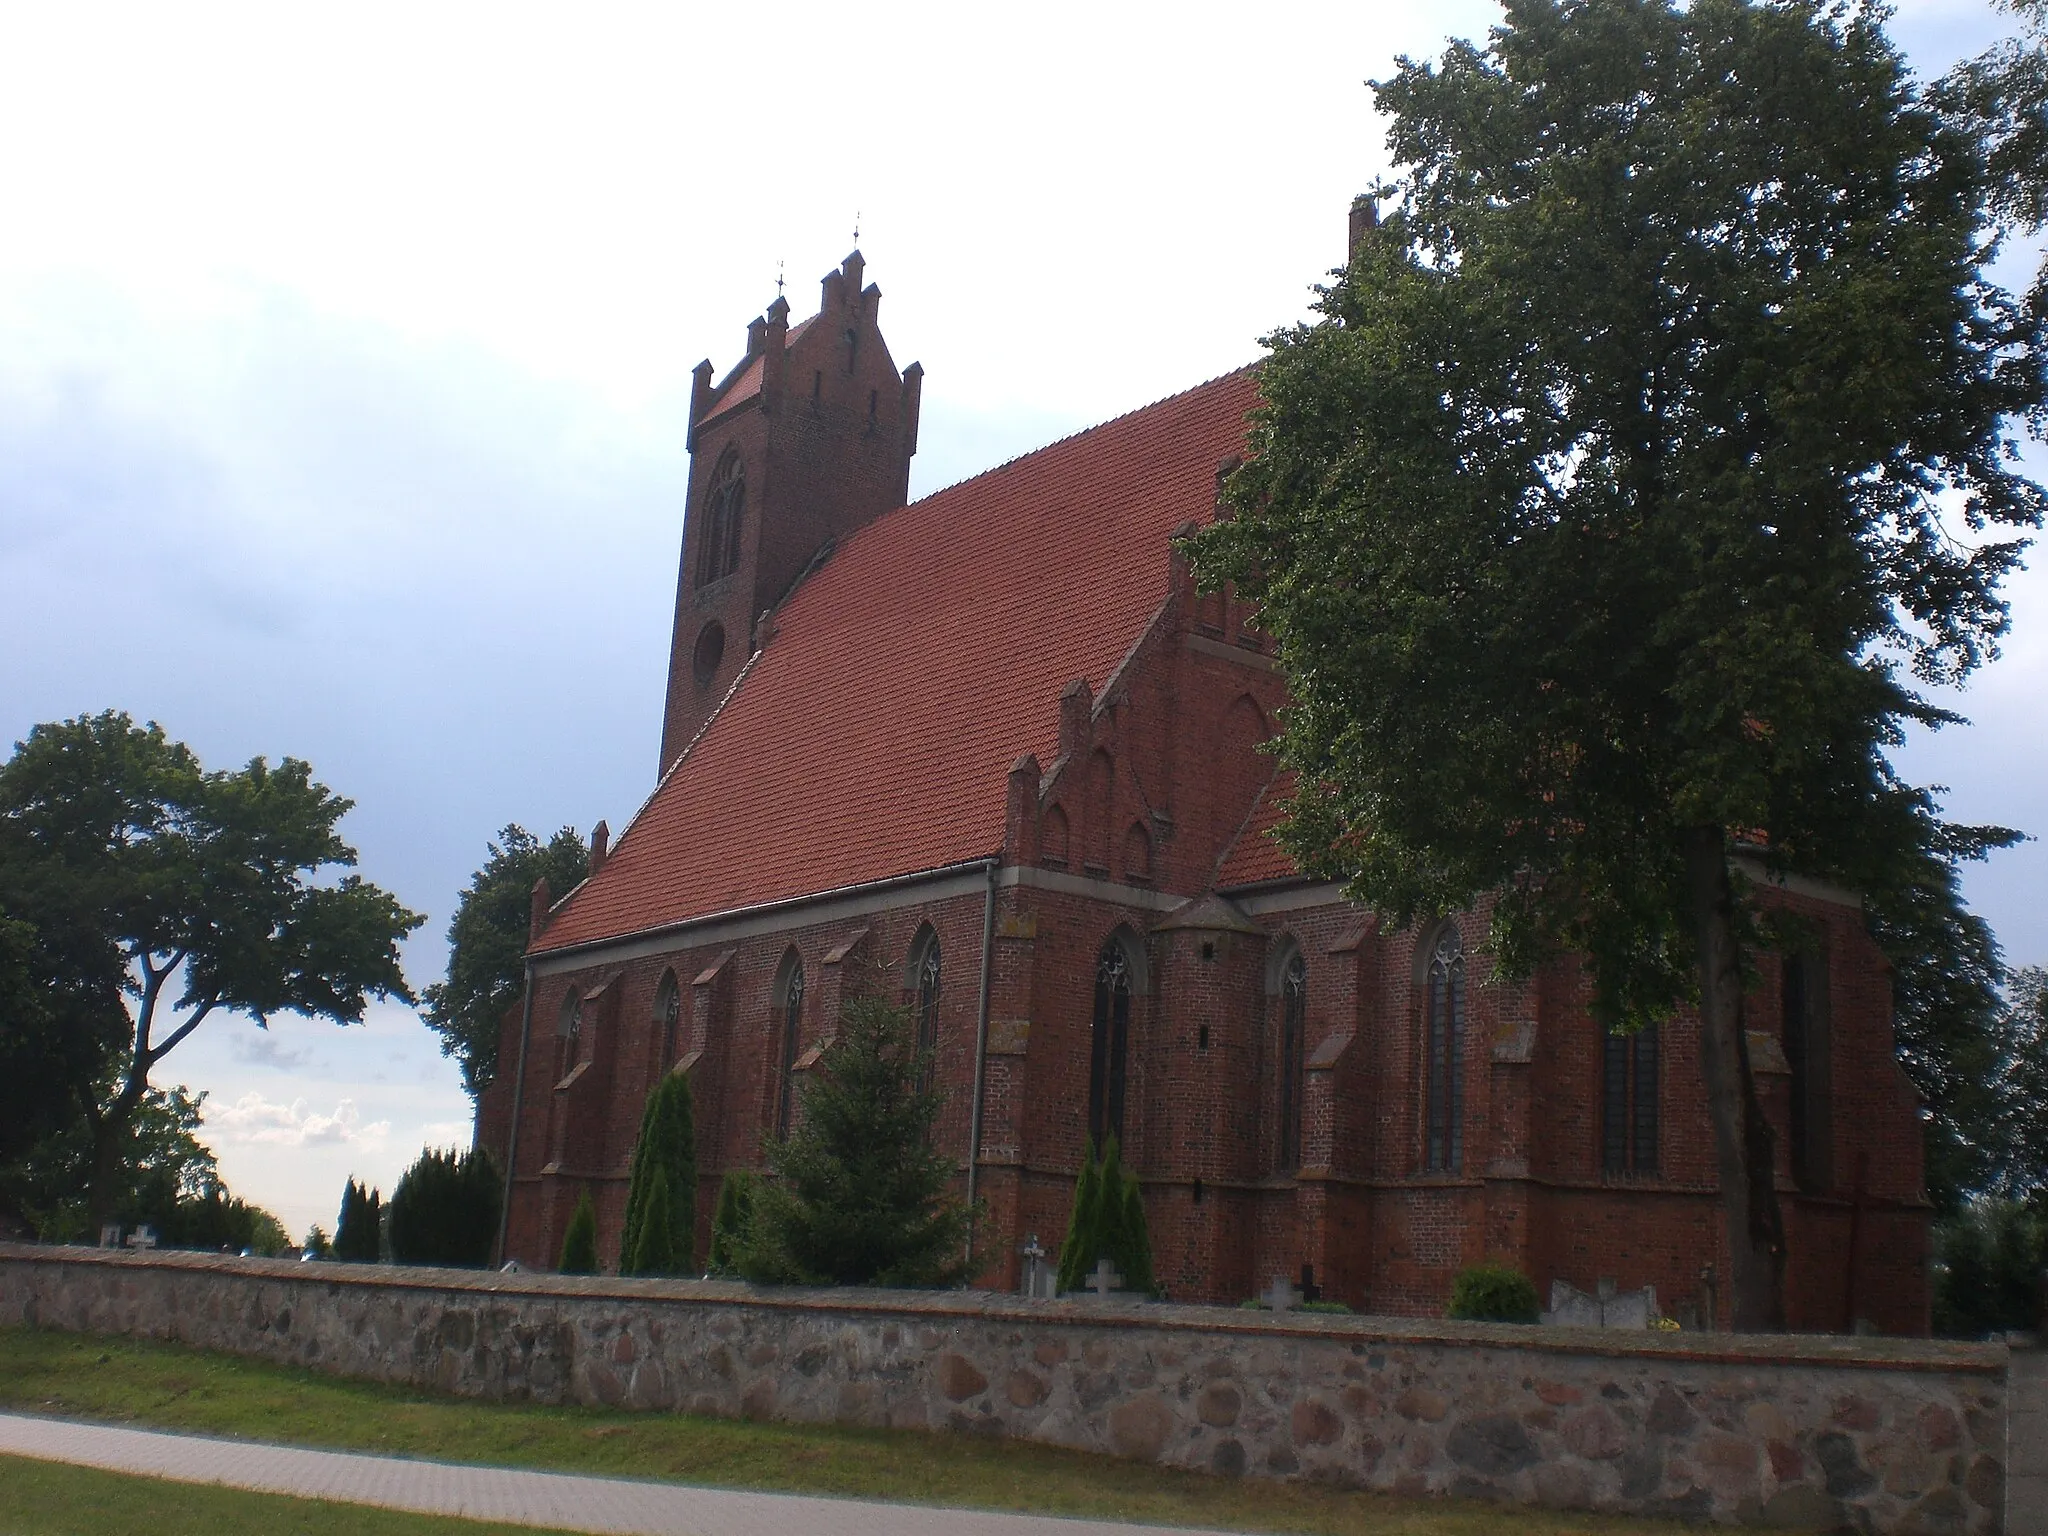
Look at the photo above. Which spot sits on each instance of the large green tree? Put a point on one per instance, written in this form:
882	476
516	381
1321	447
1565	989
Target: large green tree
1651	449
487	944
861	1196
211	893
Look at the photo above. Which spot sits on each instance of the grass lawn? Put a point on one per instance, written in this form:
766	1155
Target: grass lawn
46	1498
168	1386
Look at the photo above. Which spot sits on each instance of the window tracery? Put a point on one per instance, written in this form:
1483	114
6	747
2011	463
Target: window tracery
1109	1044
1444	1056
1293	1023
724	511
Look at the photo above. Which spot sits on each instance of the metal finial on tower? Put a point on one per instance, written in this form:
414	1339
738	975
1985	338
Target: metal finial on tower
856	226
778	278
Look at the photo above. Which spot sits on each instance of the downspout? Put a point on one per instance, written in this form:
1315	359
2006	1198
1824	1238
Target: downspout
988	946
518	1104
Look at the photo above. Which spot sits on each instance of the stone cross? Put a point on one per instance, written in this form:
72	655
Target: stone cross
1281	1296
142	1237
1105	1279
1036	1282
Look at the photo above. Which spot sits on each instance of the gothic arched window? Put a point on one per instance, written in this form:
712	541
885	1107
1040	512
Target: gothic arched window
725	506
792	1001
926	979
668	1015
1109	1044
1628	1102
571	1029
1444	1057
1293	1022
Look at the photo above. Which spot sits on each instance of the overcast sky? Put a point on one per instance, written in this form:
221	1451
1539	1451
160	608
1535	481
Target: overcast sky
344	360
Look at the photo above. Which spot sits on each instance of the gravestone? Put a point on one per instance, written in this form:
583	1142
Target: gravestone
1609	1307
1104	1280
1281	1296
110	1236
1039	1279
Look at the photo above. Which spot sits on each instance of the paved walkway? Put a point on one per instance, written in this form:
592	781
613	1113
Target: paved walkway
553	1499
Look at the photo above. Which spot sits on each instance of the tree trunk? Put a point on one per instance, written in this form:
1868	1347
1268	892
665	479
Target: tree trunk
1743	1142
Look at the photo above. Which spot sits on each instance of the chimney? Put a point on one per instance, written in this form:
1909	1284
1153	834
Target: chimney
600	847
1365	215
537	915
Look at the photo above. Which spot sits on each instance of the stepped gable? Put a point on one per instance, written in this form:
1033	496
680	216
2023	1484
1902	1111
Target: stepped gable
1254	857
872	735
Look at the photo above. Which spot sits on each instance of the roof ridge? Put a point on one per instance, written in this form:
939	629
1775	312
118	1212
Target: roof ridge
634	820
688	746
1251	812
1060	442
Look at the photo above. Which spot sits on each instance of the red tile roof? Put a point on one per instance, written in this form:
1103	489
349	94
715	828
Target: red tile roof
747	383
1254	857
873	735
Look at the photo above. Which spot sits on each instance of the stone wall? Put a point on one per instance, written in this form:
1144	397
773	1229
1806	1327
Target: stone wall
1885	1435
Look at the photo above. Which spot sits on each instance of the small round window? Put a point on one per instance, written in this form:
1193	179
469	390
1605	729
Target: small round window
709	653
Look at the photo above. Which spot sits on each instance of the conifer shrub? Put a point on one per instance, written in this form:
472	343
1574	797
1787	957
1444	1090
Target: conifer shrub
860	1194
653	1249
579	1243
667	1147
1108	1222
359	1233
445	1210
729	1222
1494	1293
1988	1264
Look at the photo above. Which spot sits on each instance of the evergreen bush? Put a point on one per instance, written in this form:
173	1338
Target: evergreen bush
445	1210
579	1243
667	1146
730	1221
359	1233
1494	1293
653	1248
861	1195
1988	1259
1108	1222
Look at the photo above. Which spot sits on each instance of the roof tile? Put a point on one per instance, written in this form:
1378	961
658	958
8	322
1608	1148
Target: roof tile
873	735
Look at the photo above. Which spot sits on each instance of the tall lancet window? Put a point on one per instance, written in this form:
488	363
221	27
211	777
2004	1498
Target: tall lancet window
792	1037
1628	1102
1293	1025
928	976
1444	1057
668	1016
725	506
1109	1044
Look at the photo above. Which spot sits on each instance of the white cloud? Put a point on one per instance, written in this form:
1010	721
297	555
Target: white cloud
253	1118
261	1048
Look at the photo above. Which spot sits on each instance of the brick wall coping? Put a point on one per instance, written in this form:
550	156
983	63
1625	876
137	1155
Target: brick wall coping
1834	1350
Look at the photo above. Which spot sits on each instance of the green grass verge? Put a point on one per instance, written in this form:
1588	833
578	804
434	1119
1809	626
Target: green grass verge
168	1386
48	1498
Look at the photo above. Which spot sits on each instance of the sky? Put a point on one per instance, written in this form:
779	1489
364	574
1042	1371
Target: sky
345	358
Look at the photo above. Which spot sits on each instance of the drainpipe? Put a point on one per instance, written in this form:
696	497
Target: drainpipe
988	945
518	1104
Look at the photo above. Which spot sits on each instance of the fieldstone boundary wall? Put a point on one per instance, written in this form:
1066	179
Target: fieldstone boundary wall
1815	1432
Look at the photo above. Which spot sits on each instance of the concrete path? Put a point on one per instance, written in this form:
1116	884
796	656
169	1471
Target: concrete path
553	1499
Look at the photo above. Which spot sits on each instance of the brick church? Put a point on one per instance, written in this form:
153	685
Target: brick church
991	753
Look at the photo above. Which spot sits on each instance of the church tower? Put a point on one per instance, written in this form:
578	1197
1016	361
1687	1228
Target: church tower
809	437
